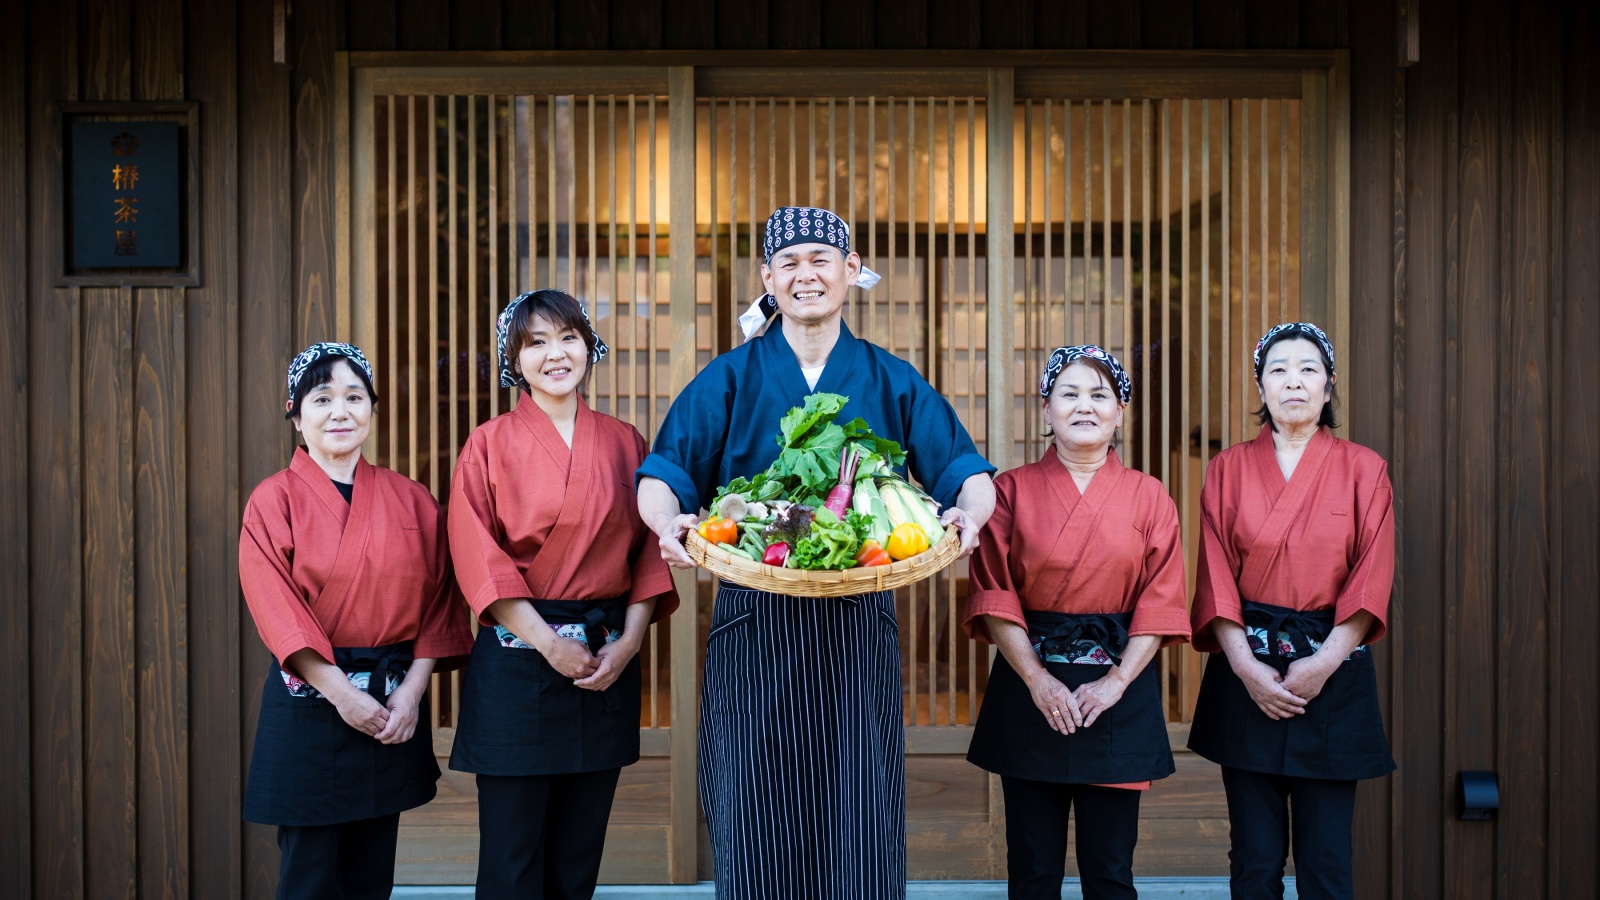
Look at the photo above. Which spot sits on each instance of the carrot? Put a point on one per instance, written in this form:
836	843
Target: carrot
838	501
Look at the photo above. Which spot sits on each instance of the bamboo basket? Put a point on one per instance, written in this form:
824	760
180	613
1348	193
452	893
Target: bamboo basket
822	582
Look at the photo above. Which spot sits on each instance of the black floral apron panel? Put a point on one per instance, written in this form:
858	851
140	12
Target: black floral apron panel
308	767
520	717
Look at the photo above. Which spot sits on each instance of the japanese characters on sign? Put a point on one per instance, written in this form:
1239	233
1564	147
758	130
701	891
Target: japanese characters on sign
125	201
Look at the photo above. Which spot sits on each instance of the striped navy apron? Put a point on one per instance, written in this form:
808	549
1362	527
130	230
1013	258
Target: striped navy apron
520	717
802	747
310	768
1127	743
1338	738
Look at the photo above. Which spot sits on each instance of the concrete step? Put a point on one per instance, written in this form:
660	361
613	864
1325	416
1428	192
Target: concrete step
1149	889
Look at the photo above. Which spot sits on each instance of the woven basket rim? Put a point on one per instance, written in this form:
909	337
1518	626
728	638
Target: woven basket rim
827	582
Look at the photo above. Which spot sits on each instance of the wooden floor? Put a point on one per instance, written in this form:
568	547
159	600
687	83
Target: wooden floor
1183	829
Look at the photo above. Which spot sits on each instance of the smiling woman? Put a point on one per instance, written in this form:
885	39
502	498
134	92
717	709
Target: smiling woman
343	745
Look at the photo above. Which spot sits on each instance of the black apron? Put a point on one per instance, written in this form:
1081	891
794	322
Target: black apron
520	717
1338	738
310	768
1127	743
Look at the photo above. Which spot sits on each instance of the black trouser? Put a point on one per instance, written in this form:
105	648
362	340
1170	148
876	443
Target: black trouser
540	836
348	861
1036	838
1263	810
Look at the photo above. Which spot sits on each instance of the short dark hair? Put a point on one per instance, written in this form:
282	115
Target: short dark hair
1326	419
320	373
561	310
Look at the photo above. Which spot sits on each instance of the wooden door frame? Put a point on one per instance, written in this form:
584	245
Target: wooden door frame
1318	78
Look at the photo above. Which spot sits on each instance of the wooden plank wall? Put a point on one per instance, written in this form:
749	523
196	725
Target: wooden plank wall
142	417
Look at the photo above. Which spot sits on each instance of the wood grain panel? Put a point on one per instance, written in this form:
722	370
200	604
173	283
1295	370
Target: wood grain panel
742	25
158	49
16	841
1471	709
847	24
686	28
55	533
476	24
369	24
1419	603
636	24
529	26
160	509
110	758
266	313
795	25
424	24
210	485
318	32
954	25
1575	818
1524	543
1319	23
1114	26
583	25
1007	25
901	25
1168	24
1369	414
1061	24
1220	24
105	53
1274	24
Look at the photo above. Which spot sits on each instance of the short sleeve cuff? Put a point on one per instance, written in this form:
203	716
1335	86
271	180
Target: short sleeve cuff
291	644
1349	606
948	488
442	647
492	590
1000	604
1172	625
1205	639
657	466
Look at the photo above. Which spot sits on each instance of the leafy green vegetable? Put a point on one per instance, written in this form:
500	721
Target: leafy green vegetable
861	524
858	432
831	544
790	525
798	424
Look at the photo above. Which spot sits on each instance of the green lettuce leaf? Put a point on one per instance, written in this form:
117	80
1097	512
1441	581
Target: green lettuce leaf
798	424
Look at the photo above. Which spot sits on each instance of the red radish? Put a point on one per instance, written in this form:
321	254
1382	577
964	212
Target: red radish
776	554
838	501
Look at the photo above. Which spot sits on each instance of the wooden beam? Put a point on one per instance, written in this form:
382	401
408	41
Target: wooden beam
684	832
818	60
1408	33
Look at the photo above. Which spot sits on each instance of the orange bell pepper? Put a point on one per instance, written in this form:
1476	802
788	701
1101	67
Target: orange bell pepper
718	530
872	554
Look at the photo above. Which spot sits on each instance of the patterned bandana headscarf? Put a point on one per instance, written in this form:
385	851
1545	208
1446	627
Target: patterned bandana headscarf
508	376
1062	357
790	225
1292	330
310	355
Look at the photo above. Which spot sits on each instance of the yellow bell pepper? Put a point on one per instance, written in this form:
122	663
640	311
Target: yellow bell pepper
907	540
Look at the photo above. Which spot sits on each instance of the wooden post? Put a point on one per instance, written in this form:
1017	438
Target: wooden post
683	831
999	230
999	227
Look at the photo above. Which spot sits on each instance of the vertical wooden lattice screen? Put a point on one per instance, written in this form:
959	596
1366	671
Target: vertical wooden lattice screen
906	174
1164	225
482	197
1166	231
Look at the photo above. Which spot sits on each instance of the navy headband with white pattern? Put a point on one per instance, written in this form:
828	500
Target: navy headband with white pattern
1289	330
309	357
508	375
1062	357
786	227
